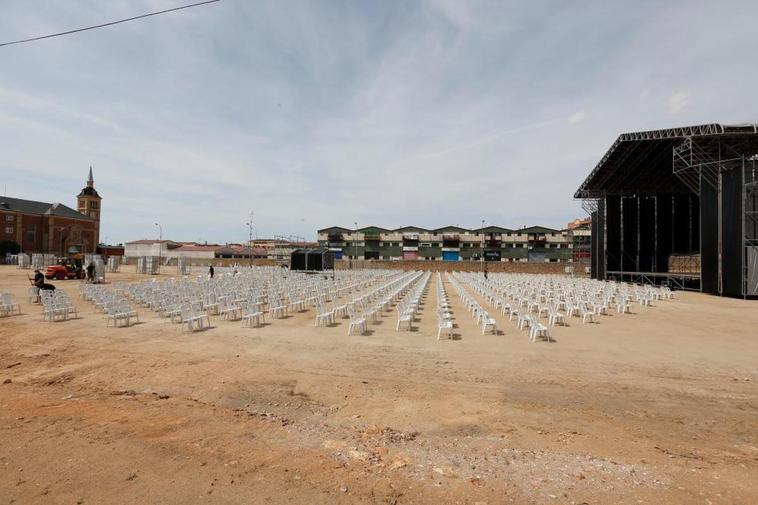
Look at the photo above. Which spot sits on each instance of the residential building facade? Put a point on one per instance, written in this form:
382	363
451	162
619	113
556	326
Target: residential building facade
450	243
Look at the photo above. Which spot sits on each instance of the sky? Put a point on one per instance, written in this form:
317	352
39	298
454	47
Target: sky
314	113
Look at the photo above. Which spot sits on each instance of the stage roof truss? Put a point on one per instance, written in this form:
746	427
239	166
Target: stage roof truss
589	205
674	159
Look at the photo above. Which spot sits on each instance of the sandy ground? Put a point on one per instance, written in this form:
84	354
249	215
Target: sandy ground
660	406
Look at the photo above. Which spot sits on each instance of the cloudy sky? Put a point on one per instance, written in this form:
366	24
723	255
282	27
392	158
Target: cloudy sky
318	113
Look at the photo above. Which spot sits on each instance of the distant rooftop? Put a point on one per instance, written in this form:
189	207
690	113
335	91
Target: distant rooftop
444	229
40	208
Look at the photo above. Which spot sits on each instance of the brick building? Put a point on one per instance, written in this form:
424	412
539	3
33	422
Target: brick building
54	228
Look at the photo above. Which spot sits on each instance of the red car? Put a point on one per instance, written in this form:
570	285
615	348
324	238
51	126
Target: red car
61	272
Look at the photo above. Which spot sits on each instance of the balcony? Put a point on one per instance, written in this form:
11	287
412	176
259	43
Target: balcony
451	241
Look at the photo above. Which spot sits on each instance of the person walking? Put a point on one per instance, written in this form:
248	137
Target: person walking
91	272
210	271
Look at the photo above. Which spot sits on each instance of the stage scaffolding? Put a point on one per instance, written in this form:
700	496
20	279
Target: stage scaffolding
678	206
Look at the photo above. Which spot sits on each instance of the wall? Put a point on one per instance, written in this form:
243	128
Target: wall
460	266
137	250
48	231
192	255
74	232
227	262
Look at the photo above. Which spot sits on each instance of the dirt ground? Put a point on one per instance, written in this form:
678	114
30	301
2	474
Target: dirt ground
659	406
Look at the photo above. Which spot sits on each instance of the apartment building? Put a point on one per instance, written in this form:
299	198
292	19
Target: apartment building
450	243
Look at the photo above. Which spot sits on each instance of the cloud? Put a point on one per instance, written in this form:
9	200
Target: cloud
456	12
384	113
577	117
677	103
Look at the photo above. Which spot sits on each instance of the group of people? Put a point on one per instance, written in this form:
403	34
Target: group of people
38	282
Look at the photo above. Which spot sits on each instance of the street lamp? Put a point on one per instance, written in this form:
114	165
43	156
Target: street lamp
250	239
355	242
481	230
160	245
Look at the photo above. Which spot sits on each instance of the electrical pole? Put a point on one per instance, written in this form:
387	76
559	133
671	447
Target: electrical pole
160	245
355	242
481	230
250	239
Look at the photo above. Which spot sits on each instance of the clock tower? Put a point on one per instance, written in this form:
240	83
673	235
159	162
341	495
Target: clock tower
88	203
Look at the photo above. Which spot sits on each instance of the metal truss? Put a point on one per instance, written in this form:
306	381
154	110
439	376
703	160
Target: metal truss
750	225
707	131
682	281
589	205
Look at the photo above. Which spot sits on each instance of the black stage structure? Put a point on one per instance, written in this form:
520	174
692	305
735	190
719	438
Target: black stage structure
314	260
678	206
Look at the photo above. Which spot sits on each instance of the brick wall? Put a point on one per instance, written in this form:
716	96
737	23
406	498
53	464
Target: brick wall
434	266
219	262
72	232
460	266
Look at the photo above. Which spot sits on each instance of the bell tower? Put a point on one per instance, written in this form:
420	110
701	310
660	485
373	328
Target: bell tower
88	203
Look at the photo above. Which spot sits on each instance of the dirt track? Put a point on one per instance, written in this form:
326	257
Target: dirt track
660	406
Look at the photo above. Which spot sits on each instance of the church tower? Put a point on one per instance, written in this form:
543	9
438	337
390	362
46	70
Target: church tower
88	203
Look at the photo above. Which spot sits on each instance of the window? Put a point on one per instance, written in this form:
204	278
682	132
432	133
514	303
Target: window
31	232
9	230
93	205
82	203
10	218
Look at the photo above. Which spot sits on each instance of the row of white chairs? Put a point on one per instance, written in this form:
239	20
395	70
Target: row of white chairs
8	305
481	316
444	312
525	319
57	305
248	294
408	306
114	303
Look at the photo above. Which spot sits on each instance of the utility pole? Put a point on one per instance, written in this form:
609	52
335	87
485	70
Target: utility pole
481	230
160	245
250	239
355	242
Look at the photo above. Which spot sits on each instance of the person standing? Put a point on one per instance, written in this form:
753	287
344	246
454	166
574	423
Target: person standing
210	271
91	272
